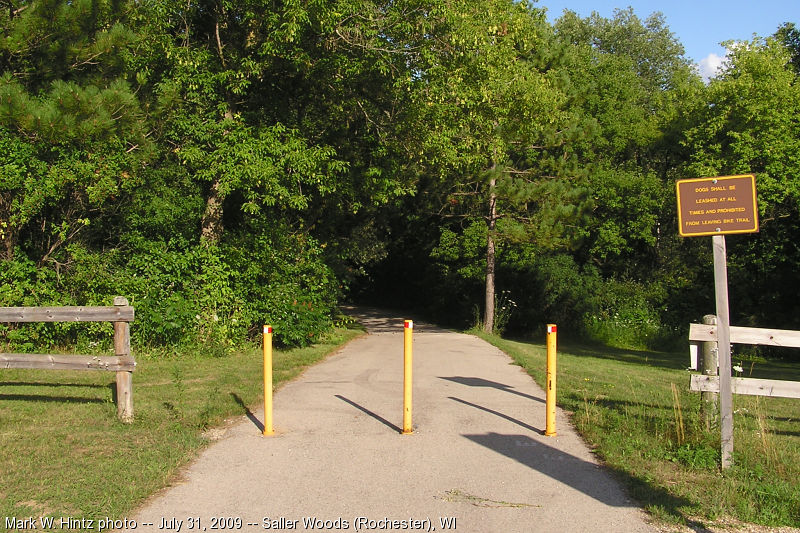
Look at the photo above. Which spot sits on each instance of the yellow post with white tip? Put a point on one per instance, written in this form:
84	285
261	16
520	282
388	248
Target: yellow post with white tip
268	430
408	331
550	429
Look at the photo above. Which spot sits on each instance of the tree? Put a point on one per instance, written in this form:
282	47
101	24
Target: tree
748	124
632	85
789	35
629	76
209	66
70	122
493	124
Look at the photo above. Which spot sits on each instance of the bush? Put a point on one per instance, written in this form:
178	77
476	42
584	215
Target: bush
282	280
623	315
185	294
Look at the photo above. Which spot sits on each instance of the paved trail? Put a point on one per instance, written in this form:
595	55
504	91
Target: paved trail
476	462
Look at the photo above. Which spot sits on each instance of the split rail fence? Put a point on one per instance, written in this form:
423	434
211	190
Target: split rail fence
123	363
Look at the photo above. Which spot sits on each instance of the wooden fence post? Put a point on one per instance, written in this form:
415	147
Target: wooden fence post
122	347
709	404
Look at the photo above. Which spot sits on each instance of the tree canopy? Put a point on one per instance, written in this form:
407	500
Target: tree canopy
226	164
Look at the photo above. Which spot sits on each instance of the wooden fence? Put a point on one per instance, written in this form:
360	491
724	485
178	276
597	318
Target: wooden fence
123	363
707	333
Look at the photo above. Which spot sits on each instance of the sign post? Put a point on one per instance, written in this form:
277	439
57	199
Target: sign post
716	207
723	349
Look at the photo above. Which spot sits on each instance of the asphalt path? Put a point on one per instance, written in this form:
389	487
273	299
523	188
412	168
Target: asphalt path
477	460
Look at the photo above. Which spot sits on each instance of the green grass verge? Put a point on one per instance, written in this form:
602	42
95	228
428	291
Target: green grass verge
65	454
635	409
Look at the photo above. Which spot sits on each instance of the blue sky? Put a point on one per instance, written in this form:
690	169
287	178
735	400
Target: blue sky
699	25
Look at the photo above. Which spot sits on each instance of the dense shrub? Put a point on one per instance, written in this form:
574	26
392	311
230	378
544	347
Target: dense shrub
184	293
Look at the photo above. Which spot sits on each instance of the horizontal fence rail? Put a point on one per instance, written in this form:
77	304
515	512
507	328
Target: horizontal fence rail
786	338
122	313
748	386
67	362
766	337
123	363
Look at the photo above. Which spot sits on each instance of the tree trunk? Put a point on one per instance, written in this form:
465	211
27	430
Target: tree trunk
211	223
9	238
488	323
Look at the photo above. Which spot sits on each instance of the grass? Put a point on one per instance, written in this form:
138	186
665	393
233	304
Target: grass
65	454
634	408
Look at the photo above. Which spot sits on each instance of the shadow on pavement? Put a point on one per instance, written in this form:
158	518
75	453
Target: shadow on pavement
480	382
376	416
563	467
497	413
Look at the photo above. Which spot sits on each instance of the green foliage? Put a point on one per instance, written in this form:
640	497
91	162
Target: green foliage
625	219
624	315
219	296
696	456
231	163
789	35
460	255
297	296
747	124
184	294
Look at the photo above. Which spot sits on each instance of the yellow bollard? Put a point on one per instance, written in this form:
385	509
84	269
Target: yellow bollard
408	329
550	430
268	430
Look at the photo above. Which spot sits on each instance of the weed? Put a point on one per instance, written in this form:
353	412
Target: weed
678	413
696	456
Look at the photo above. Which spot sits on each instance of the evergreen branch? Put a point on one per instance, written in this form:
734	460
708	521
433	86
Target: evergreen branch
87	61
514	171
15	12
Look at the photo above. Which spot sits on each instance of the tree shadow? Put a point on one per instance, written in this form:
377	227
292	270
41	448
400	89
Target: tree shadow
671	360
380	320
480	382
364	410
256	422
61	398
